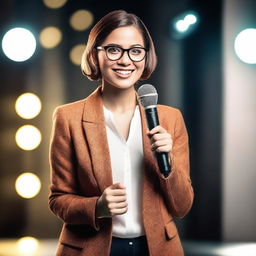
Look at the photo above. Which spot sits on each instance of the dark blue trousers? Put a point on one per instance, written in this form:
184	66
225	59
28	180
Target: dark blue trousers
129	246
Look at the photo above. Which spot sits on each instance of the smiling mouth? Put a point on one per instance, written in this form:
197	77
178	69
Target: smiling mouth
123	72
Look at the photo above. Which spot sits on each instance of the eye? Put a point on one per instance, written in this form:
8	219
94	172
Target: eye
114	50
136	51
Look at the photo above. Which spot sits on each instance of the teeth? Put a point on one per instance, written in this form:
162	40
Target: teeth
124	72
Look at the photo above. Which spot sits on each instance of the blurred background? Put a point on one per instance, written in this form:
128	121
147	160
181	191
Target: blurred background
206	67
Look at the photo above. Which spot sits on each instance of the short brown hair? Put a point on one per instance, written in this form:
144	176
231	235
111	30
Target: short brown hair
99	33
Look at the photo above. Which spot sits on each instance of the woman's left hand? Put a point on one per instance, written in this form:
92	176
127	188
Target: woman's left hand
161	140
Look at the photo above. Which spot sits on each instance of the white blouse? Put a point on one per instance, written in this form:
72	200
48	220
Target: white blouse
127	168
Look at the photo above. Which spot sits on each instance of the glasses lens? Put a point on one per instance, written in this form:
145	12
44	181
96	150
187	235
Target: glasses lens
113	52
137	53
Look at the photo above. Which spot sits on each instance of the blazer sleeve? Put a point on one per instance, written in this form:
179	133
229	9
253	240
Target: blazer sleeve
177	187
64	199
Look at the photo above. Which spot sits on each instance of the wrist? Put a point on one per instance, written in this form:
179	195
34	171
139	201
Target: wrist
100	209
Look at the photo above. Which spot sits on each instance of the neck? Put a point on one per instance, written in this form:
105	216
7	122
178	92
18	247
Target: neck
118	100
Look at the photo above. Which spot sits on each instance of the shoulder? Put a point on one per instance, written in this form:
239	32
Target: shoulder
168	112
172	119
76	108
70	109
170	116
165	108
72	106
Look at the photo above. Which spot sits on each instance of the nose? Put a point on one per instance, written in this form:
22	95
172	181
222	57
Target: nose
125	59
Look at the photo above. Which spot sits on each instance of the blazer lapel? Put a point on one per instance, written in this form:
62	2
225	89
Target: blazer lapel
95	131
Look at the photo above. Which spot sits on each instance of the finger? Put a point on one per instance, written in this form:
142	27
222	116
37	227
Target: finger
160	136
113	206
119	211
166	149
117	192
157	129
114	192
117	185
116	199
121	205
161	143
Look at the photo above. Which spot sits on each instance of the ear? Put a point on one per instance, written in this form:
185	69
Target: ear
95	57
96	66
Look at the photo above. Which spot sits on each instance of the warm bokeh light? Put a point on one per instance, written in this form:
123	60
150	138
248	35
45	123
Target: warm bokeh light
54	4
27	185
19	44
76	54
50	37
81	20
245	45
27	245
236	250
28	137
28	105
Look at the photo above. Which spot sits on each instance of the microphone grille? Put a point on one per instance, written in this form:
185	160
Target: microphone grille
147	95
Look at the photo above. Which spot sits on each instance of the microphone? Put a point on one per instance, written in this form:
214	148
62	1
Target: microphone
148	97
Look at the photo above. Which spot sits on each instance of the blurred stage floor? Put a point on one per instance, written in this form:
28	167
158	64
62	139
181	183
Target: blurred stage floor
46	247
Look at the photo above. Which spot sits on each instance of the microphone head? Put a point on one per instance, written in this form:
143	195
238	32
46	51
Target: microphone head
147	95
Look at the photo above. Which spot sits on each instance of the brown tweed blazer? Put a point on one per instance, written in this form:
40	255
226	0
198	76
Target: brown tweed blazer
81	170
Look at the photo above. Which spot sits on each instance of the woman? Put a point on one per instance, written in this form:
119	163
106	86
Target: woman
105	182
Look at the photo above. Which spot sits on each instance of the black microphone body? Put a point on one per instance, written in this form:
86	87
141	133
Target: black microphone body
162	157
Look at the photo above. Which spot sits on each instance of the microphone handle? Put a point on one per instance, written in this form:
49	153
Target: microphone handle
162	158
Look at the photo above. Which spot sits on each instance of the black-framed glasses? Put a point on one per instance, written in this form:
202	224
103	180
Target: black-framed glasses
114	52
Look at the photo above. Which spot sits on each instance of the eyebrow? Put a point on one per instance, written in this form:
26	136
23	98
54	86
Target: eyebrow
118	45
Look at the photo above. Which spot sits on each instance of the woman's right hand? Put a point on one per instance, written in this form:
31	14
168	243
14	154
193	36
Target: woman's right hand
112	202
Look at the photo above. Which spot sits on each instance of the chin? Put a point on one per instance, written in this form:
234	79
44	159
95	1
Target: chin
123	84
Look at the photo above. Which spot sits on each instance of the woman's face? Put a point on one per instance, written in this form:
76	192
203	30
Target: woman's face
122	73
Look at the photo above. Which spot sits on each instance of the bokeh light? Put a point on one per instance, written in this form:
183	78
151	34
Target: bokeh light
54	4
247	249
28	105
27	185
19	44
245	45
181	25
81	20
190	19
28	137
76	54
27	245
50	37
184	24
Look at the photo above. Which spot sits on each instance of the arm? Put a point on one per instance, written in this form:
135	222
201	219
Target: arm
177	186
64	200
